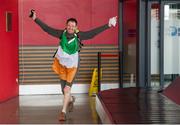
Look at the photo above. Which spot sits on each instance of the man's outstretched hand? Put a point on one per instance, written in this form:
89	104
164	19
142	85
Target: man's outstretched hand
32	14
112	21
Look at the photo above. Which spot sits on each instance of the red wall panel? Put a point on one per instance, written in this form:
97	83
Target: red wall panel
89	13
9	51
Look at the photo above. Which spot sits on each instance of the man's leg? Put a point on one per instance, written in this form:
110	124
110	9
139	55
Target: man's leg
67	97
67	92
70	78
72	98
63	84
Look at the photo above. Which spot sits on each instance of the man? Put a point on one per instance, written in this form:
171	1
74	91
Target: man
66	59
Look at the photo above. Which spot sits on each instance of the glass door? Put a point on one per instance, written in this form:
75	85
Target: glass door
171	42
163	43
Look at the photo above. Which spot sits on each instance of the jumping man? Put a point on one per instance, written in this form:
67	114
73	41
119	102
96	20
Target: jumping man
66	58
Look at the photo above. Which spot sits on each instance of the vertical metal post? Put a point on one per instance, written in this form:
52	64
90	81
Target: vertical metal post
161	62
120	56
99	71
120	39
140	49
148	44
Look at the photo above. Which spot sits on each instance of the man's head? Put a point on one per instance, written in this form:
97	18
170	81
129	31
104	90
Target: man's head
71	25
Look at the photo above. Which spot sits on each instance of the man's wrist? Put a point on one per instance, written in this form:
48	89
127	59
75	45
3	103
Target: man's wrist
34	19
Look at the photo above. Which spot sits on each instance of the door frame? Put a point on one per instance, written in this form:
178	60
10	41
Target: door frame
148	43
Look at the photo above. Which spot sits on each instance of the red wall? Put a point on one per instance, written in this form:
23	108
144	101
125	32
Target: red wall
130	21
89	13
8	51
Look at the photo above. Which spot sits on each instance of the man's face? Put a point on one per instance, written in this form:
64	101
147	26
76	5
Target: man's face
71	26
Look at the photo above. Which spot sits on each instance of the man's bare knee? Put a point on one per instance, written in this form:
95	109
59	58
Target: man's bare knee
67	90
